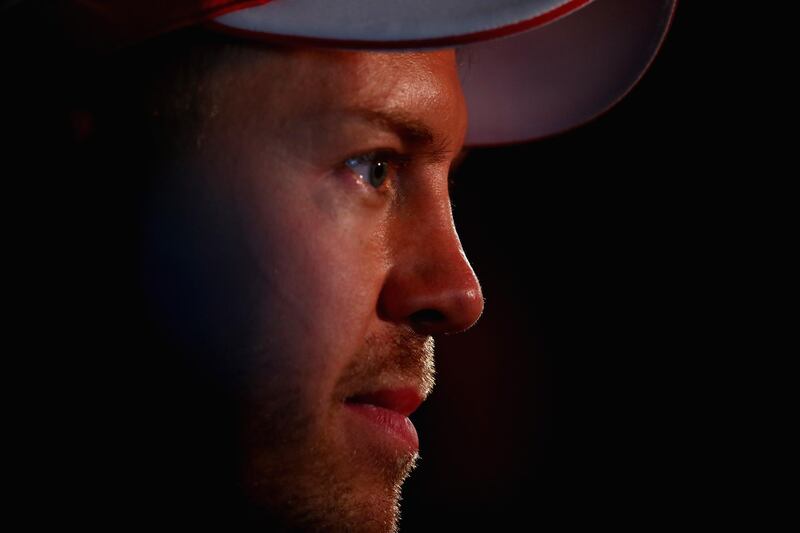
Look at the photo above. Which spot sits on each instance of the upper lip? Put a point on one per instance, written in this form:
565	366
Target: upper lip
403	400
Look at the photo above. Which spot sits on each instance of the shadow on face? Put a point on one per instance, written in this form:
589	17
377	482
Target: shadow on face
229	271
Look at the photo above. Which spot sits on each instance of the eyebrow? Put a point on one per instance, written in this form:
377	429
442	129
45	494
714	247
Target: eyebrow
409	129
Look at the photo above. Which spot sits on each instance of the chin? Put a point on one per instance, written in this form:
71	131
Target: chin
321	479
324	502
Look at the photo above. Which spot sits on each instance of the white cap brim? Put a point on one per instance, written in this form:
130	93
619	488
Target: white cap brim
531	68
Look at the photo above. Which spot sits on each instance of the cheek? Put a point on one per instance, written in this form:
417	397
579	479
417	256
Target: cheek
319	265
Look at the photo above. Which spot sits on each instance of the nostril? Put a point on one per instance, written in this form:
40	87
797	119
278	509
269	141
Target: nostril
427	316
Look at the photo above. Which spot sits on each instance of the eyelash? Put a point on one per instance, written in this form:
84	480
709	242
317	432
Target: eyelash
396	160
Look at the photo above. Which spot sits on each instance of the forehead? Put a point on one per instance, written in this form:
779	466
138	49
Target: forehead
285	82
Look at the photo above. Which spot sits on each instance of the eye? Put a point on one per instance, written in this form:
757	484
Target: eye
375	168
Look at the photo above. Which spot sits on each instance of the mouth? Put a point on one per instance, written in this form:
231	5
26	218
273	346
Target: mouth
382	416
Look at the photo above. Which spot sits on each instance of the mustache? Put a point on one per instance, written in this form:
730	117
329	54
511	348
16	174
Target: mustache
388	357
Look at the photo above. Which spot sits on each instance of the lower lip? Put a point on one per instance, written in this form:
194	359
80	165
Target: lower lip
395	428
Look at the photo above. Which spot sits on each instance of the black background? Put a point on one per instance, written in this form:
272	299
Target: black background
590	393
603	386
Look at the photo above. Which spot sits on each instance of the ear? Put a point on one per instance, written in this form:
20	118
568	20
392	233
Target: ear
82	125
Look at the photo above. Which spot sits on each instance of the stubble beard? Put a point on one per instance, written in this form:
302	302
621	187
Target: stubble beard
300	473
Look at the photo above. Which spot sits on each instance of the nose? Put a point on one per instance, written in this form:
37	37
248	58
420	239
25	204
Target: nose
430	285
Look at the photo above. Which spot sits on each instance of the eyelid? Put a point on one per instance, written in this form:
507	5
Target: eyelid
399	160
386	154
396	161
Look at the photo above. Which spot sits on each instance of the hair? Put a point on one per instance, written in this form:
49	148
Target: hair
77	195
156	88
72	99
85	140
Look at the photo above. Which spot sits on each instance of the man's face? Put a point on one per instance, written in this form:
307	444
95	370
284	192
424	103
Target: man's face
328	255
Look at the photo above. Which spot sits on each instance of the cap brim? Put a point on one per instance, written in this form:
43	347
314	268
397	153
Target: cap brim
406	24
555	78
559	64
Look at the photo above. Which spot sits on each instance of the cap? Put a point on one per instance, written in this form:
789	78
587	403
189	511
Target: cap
531	69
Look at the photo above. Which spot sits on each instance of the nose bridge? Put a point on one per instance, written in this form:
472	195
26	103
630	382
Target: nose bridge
431	285
438	253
